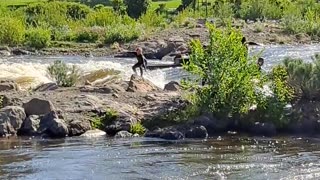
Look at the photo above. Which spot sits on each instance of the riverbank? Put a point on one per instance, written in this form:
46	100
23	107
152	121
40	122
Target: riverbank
167	41
50	111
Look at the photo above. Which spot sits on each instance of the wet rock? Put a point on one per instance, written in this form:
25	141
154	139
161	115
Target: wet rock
122	123
305	127
197	132
123	134
172	86
94	133
47	87
171	134
263	129
78	127
11	119
19	52
165	51
210	123
53	126
103	90
8	85
4	53
30	126
38	106
138	84
154	134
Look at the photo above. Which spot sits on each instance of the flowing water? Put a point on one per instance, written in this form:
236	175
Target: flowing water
142	158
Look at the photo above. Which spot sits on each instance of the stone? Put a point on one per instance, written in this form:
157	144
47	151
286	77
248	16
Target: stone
138	84
78	127
197	132
11	119
19	52
103	90
123	134
30	126
162	52
171	135
154	134
47	87
263	129
84	104
8	85
122	123
94	133
172	86
53	126
38	106
304	127
4	53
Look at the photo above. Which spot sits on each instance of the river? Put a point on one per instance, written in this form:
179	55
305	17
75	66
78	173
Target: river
142	158
223	157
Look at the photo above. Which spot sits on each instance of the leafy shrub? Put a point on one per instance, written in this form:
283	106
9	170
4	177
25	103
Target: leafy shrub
122	33
63	74
224	64
152	19
103	17
187	3
92	34
12	31
118	6
135	8
137	128
100	122
38	38
303	77
251	9
77	11
224	12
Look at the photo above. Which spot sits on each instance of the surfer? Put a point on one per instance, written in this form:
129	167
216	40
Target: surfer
142	62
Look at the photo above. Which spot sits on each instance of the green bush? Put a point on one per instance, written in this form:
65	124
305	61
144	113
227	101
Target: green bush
12	31
77	11
252	9
92	34
229	74
152	19
38	38
118	6
137	128
63	74
135	8
122	33
224	12
103	17
100	122
304	77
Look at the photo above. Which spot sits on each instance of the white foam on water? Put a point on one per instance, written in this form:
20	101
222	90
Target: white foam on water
38	70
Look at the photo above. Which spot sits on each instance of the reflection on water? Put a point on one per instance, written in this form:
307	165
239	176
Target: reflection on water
216	158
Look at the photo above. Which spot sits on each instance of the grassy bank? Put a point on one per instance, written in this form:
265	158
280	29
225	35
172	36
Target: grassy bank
41	25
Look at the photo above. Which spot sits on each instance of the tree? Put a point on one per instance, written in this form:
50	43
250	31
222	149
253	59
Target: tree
135	8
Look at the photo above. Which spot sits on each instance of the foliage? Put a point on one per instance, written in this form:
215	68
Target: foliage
91	34
38	38
304	77
136	8
137	128
122	33
100	122
12	31
77	11
63	74
223	11
228	72
151	19
118	6
187	3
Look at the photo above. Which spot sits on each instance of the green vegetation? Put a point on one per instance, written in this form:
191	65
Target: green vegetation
63	74
137	128
124	21
100	122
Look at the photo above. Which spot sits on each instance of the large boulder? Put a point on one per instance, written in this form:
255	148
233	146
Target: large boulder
30	126
211	124
47	87
165	51
78	127
11	119
18	52
138	84
172	86
172	134
51	125
8	85
123	123
38	106
197	132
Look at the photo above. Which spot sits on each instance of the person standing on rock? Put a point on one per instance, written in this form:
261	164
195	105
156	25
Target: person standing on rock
142	62
260	63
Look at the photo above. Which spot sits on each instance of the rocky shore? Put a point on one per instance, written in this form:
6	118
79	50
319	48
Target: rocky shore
52	111
167	42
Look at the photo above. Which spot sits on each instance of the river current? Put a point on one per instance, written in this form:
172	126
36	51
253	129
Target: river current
226	157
